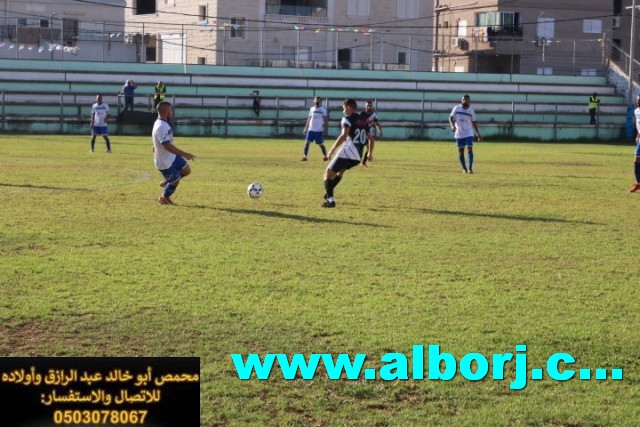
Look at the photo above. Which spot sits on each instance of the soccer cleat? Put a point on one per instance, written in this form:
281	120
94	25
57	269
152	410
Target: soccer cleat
163	183
328	204
465	171
91	150
325	158
303	159
165	201
635	188
470	171
108	151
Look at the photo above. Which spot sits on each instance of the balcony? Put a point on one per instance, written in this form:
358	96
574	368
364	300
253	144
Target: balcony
504	32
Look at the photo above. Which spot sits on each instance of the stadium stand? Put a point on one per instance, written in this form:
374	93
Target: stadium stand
56	96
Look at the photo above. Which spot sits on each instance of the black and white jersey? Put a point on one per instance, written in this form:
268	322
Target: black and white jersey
354	144
371	117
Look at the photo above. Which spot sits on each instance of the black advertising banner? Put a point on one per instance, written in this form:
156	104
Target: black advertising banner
100	391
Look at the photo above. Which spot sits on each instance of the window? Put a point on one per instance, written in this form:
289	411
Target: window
44	23
545	28
359	8
592	26
22	22
544	71
407	9
589	72
462	28
288	52
202	13
237	28
316	8
497	20
145	7
402	58
617	7
202	60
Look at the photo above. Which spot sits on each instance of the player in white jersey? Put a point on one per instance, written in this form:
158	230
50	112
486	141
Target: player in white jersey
636	164
169	159
463	123
98	123
316	128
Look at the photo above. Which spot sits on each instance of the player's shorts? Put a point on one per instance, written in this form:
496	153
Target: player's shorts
317	137
99	130
638	150
173	173
340	163
464	142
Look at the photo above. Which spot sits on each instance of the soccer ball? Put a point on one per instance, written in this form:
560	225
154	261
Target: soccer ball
255	190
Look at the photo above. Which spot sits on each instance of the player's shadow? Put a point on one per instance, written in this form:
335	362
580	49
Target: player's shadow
44	187
503	216
274	214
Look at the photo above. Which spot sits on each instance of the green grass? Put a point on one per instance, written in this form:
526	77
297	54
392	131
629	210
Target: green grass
540	247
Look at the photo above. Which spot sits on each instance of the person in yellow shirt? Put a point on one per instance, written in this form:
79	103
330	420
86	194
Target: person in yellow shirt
160	93
594	102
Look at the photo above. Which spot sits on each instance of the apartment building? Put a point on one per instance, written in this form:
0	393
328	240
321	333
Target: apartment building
525	36
64	29
361	34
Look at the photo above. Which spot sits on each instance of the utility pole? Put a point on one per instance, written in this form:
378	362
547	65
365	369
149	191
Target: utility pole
631	49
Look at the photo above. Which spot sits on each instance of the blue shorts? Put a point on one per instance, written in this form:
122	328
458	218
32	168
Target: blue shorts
464	142
638	150
318	137
173	173
99	130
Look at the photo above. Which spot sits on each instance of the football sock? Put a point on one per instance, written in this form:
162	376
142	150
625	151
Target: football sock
328	188
93	143
108	143
169	190
306	149
464	165
637	172
337	180
470	160
324	150
330	199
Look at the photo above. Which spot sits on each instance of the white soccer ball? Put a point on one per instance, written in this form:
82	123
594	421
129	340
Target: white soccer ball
255	190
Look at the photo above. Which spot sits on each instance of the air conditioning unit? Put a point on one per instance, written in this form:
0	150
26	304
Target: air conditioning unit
616	22
454	42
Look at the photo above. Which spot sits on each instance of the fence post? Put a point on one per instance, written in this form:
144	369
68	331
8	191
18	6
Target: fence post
2	111
513	119
277	121
555	125
226	115
422	117
61	112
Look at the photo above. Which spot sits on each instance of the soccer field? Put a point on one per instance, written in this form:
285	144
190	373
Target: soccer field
539	248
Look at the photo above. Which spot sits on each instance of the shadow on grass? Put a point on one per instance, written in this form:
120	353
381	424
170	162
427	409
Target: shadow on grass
273	214
512	217
45	187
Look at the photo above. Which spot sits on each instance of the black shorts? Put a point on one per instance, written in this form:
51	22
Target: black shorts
339	163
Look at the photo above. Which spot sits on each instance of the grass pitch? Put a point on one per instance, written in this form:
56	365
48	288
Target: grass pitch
539	247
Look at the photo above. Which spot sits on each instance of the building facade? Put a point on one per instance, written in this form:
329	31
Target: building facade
64	30
361	34
523	37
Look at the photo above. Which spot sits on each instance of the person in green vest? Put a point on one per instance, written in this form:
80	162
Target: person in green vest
594	102
158	97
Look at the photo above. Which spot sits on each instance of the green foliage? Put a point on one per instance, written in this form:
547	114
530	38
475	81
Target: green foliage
538	247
